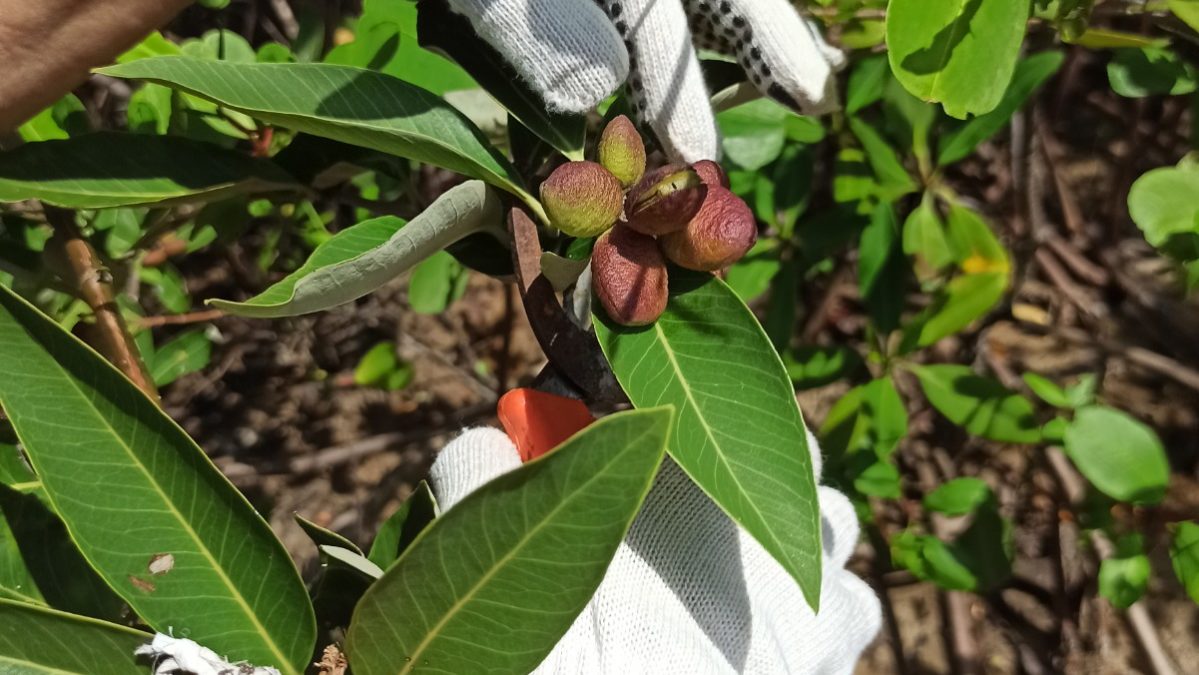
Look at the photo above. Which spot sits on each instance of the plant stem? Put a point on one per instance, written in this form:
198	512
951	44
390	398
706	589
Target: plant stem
91	281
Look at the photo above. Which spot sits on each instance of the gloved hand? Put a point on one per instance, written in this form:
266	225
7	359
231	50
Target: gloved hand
576	52
689	592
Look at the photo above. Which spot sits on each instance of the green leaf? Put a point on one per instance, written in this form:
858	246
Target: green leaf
880	479
1102	38
451	33
958	52
752	133
1184	555
881	269
359	107
750	276
351	560
376	364
975	246
1047	391
16	577
500	577
812	366
965	299
1150	71
924	238
981	405
779	322
1082	392
386	40
41	564
1031	74
322	536
884	161
909	120
169	287
930	559
958	497
185	353
1054	431
1124	577
870	418
132	488
109	169
433	282
1122	457
65	117
153	44
866	83
1162	203
1187	10
398	532
709	358
35	640
362	258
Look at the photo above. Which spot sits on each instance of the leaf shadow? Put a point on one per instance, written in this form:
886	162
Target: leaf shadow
59	571
932	59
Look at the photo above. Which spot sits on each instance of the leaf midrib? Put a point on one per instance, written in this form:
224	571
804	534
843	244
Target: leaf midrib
406	135
284	662
674	364
37	666
412	660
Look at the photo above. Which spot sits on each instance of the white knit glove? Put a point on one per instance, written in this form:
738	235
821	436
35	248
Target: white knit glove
576	52
688	591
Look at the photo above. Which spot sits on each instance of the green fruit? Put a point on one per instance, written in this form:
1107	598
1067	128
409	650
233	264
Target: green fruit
621	151
582	198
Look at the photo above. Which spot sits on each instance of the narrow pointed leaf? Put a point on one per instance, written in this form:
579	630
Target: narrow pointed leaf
739	433
499	578
352	105
110	169
400	529
321	536
39	641
132	488
362	258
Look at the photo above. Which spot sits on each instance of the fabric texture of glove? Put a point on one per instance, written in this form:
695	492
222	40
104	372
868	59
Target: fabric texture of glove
571	52
688	592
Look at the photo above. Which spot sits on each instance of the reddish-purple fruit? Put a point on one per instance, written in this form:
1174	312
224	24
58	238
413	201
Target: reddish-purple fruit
628	274
582	198
621	151
664	200
711	173
718	236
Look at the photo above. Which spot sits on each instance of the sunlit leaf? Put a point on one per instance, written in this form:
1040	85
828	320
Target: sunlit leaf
708	357
1118	454
498	578
146	507
981	405
359	107
958	52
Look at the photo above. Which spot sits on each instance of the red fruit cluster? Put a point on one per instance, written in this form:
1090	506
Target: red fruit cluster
686	214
